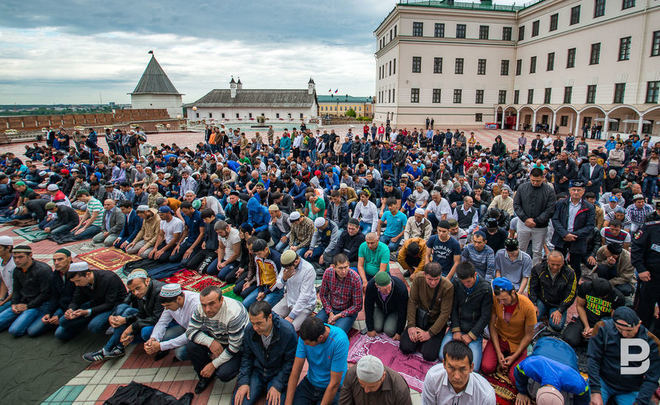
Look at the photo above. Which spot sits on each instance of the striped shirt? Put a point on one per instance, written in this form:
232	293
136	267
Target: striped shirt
94	205
226	327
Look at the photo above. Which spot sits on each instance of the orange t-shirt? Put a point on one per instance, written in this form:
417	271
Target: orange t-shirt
513	331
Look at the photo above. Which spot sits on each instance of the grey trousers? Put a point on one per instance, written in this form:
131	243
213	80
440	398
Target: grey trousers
536	236
385	324
137	247
283	310
106	240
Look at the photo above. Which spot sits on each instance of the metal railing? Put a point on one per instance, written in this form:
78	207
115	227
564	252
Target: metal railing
468	5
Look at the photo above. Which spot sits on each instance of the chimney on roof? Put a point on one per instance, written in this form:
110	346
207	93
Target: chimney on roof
233	87
310	86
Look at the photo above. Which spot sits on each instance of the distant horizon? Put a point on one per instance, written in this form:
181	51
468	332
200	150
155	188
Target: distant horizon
70	53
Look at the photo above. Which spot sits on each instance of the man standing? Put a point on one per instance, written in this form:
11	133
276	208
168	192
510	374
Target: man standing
454	381
429	306
573	221
645	256
96	295
552	288
178	308
215	335
607	379
340	294
134	319
592	175
325	347
269	349
297	277
534	204
370	382
31	293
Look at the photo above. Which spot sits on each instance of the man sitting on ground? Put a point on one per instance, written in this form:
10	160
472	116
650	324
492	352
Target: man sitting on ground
429	306
340	294
614	265
552	288
145	239
513	264
350	241
412	256
215	335
370	382
300	298
385	304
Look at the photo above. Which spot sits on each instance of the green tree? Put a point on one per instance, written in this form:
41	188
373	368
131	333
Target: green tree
351	113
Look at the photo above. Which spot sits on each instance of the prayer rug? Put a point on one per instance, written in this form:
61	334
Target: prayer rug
192	281
412	367
505	391
31	233
228	291
107	258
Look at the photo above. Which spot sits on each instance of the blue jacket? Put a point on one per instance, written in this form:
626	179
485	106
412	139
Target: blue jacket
61	293
272	365
285	143
132	226
346	147
553	362
258	215
386	156
297	192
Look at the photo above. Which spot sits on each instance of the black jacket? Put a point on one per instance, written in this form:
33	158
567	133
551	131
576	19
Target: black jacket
342	214
513	166
536	203
149	307
645	250
236	214
61	292
605	363
33	286
471	313
65	216
566	169
558	293
108	291
349	245
584	223
397	302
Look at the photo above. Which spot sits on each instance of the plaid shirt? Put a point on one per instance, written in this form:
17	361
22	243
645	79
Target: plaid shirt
638	216
341	295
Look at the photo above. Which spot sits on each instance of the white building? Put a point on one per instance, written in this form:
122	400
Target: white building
568	63
237	104
155	91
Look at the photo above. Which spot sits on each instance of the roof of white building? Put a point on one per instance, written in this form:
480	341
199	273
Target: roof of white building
271	98
154	80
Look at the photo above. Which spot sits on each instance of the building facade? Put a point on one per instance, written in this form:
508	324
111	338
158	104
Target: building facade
237	104
156	91
338	105
568	64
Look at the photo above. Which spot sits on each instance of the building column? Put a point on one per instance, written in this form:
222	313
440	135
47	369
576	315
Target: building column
534	121
502	126
517	120
640	123
606	125
577	125
554	121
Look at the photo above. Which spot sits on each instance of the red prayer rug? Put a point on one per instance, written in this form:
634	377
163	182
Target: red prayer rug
192	281
107	258
412	367
505	391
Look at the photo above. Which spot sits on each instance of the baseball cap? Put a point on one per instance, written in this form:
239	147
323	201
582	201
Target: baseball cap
165	210
503	284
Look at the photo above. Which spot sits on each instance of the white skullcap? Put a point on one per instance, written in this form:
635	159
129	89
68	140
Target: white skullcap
77	267
319	222
6	241
419	211
295	215
369	369
52	187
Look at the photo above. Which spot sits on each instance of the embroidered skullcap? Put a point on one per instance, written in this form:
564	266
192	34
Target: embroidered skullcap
170	290
137	273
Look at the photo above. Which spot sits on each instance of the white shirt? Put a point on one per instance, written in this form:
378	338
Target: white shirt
438	391
573	209
181	316
368	214
300	290
229	242
170	228
7	274
439	209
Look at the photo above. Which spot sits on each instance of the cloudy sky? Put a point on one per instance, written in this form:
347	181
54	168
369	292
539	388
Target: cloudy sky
81	51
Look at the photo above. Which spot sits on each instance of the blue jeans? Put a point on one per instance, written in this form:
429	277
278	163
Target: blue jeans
345	323
228	273
548	311
276	234
385	167
620	397
388	241
258	389
307	394
173	331
19	324
89	233
5	306
124	310
38	328
272	297
474	345
650	188
69	328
